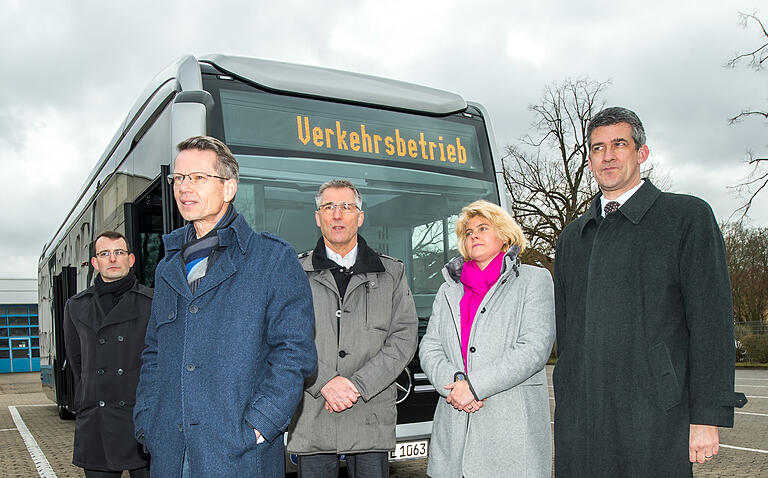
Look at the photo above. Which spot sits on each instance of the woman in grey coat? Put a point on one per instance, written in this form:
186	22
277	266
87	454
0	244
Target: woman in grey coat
489	337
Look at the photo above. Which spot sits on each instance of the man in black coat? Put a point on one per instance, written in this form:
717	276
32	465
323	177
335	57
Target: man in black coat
644	322
104	329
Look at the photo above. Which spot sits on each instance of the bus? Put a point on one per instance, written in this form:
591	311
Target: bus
417	154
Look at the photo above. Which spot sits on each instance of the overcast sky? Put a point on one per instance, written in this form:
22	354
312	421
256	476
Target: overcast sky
71	70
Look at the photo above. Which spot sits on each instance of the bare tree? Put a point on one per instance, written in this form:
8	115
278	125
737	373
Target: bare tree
547	173
757	180
747	250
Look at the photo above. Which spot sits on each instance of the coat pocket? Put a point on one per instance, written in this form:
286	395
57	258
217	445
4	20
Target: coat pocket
667	386
538	378
378	304
166	317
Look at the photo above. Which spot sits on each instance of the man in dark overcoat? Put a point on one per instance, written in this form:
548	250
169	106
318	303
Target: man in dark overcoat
644	322
104	329
229	340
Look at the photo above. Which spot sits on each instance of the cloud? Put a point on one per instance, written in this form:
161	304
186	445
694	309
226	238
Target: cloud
73	69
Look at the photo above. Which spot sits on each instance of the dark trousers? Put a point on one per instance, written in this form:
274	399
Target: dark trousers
137	473
359	465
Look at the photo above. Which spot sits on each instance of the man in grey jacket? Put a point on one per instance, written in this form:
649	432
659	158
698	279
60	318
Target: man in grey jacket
366	333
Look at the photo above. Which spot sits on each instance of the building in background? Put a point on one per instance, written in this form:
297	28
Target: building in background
19	337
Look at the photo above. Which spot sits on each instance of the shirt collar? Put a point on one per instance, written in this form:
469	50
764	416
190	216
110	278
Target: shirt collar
634	210
621	199
346	261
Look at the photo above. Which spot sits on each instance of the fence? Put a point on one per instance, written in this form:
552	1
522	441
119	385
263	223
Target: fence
751	339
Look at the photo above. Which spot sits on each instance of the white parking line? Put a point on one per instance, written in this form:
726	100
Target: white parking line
755	396
757	386
7	429
745	378
752	413
38	457
756	450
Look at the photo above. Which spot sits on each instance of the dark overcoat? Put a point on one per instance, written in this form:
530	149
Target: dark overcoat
227	359
105	355
644	334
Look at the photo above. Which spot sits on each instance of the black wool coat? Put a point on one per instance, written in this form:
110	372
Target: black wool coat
644	334
105	355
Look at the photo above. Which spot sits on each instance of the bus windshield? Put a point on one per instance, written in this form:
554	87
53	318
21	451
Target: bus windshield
287	147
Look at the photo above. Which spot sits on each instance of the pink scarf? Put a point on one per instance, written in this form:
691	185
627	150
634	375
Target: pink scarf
477	283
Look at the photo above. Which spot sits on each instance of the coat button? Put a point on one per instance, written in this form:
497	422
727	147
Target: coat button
342	354
120	338
100	371
193	308
504	281
101	403
102	340
482	311
190	367
171	314
181	427
338	313
372	284
472	349
119	371
121	403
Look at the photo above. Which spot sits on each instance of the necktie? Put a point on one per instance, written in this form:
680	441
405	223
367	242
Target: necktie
611	206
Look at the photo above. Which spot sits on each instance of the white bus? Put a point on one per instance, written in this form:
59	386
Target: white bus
417	154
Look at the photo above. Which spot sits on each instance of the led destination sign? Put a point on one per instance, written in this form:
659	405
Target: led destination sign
311	126
363	141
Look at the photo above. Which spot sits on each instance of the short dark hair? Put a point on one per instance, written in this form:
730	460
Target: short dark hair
226	165
114	235
615	115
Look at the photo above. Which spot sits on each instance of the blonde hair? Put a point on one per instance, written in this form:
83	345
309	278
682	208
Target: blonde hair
505	227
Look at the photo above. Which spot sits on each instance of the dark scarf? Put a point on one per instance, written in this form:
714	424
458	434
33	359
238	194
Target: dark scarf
110	293
199	254
367	261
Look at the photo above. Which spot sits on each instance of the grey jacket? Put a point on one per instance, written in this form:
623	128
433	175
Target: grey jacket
376	340
509	344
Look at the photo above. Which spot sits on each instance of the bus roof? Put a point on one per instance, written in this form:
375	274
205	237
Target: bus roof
338	85
279	76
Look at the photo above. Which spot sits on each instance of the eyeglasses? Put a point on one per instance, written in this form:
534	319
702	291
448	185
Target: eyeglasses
118	253
193	178
344	207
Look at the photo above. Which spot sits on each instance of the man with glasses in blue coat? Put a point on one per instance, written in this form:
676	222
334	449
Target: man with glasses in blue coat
230	338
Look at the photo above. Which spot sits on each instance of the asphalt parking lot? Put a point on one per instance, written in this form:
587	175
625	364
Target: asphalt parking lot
36	443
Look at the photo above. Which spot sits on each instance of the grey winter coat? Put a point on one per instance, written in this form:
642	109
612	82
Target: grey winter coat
376	341
510	341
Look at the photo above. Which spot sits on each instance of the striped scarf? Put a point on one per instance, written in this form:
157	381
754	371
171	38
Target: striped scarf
199	254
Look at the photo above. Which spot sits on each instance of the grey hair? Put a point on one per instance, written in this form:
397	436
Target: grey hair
339	184
226	165
615	115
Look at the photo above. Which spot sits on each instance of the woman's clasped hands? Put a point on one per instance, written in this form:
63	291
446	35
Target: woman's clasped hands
462	398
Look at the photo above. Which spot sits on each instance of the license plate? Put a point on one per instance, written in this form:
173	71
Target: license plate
410	449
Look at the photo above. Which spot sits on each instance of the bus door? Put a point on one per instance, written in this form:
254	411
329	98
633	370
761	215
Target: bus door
64	287
153	214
